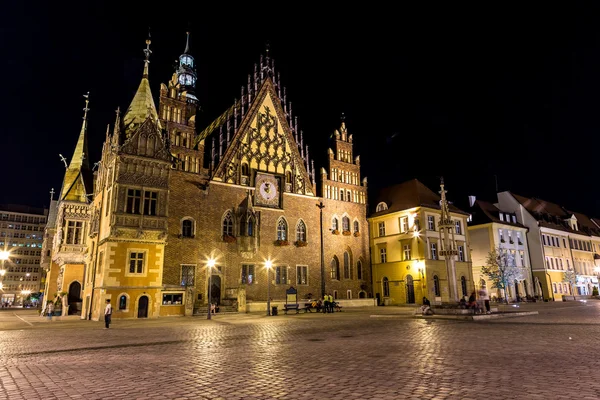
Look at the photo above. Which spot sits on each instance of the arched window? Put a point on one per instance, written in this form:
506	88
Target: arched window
243	225
341	195
463	285
346	265
251	224
348	196
301	232
386	287
228	225
381	207
123	302
245	169
288	177
335	269
282	229
334	224
359	271
436	285
187	228
356	227
346	224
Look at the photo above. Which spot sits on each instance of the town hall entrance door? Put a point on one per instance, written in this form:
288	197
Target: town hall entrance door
410	290
215	289
143	307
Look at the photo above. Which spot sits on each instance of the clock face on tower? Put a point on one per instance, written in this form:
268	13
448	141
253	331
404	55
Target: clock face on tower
267	190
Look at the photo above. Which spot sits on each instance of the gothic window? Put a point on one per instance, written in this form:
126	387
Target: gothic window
463	285
301	232
150	202
381	207
356	227
282	229
359	271
227	229
74	231
346	265
335	269
243	225
334	224
187	228
386	287
134	201
250	226
245	169
436	285
346	224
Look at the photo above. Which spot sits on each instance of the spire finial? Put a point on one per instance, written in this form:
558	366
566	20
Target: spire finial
86	109
343	117
267	48
51	194
187	43
147	53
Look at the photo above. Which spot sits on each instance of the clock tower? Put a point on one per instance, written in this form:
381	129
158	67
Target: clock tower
178	107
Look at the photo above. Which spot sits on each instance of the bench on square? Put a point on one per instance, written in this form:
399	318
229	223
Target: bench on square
291	300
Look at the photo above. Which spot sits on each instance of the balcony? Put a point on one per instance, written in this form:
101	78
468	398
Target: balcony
141	221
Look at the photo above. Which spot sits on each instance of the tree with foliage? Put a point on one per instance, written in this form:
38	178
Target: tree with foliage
570	277
501	268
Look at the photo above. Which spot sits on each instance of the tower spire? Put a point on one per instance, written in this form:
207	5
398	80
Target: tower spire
147	53
187	43
444	202
75	184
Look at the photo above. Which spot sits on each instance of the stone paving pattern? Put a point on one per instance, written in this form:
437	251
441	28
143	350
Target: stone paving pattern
376	353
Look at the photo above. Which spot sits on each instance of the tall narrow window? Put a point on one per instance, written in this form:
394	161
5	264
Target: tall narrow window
187	228
406	252
301	232
346	224
356	227
228	225
136	262
403	224
382	255
123	302
386	287
461	253
458	228
463	285
431	222
434	251
436	285
134	201
346	265
150	202
359	271
282	229
251	222
381	229
334	224
301	275
335	269
281	275
245	169
74	230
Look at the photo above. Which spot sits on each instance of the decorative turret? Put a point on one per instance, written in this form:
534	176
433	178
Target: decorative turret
77	183
186	74
142	104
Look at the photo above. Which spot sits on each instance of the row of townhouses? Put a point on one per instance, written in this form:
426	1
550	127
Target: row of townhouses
175	217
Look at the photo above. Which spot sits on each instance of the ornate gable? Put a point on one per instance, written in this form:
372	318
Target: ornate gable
147	141
264	142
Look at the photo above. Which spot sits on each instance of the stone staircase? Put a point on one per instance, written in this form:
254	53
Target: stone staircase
223	309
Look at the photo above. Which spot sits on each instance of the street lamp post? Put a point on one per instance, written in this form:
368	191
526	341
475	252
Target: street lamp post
209	265
268	265
321	207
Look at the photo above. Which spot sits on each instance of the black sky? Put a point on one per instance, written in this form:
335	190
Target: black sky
466	92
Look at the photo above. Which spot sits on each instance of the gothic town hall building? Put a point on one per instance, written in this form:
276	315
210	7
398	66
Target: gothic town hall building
172	213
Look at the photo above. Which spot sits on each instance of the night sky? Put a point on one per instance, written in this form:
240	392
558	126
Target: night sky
478	95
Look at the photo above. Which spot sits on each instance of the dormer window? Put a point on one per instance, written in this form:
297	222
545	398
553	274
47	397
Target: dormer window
381	207
501	216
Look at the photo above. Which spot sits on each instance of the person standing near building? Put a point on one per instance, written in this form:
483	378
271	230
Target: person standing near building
483	295
325	304
107	314
49	310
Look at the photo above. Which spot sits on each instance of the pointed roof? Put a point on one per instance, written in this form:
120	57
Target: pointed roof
77	182
409	194
485	212
142	106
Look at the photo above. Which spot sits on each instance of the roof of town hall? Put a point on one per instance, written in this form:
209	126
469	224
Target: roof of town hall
484	212
407	195
554	216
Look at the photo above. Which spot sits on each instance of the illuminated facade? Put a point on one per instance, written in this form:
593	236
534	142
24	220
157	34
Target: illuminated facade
21	235
164	202
492	228
419	246
559	240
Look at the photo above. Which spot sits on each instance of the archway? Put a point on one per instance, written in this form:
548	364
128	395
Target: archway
143	307
74	298
410	290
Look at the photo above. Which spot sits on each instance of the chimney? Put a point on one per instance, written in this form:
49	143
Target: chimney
471	201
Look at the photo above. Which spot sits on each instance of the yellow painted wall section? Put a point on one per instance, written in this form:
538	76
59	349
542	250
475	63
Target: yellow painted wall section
117	268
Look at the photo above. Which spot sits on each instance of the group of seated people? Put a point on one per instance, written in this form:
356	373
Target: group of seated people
320	307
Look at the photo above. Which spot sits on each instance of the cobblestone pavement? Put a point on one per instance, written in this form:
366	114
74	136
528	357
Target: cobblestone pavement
377	353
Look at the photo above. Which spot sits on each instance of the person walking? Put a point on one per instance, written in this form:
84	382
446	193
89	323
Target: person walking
49	310
107	314
483	295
